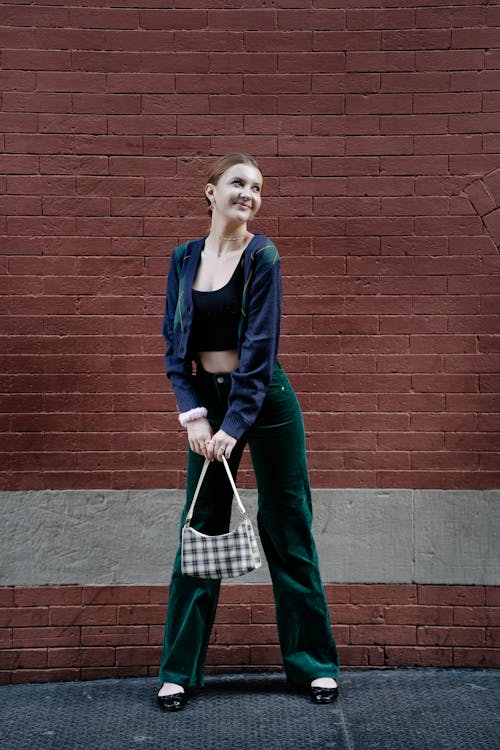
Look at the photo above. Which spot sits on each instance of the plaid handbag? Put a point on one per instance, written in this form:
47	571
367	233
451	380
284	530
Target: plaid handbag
224	555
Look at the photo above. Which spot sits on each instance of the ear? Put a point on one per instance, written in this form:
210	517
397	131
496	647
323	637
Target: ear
209	191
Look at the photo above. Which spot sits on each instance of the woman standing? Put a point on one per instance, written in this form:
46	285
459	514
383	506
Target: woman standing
223	314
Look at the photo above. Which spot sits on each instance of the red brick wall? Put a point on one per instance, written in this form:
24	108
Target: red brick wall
75	632
378	132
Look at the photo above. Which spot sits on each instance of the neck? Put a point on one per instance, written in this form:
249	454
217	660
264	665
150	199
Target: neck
226	240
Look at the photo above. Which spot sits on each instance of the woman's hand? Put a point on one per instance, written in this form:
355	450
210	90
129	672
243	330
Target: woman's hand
199	435
220	445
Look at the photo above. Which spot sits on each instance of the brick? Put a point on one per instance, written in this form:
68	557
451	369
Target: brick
36	59
116	595
337	593
24	658
492	596
244	634
376	656
451	636
24	617
383	594
228	62
346	40
235	656
410	656
115	635
319	62
450	17
375	18
88	615
493	637
379	103
208	41
140	614
228	614
416	614
36	637
38	596
215	83
406	124
383	634
411	165
476	616
7	596
17	37
476	658
382	61
137	655
263	41
354	656
174	19
15	15
451	595
354	614
452	60
471	38
309	104
80	657
383	145
265	655
38	144
250	19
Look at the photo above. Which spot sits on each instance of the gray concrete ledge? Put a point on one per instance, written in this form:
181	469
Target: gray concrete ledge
363	536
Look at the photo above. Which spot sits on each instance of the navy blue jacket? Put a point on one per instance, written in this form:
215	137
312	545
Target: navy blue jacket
258	332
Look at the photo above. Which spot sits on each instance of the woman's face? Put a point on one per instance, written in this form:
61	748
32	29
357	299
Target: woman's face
237	195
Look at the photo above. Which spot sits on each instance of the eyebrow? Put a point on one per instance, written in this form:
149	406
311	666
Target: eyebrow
239	177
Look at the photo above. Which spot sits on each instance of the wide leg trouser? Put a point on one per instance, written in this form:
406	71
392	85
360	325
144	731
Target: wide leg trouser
277	448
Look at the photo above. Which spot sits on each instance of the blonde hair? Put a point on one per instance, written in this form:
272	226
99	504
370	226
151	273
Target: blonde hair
226	162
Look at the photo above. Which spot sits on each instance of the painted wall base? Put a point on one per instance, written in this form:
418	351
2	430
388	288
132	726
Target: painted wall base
96	537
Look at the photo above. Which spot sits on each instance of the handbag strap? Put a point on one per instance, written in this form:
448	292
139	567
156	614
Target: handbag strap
207	463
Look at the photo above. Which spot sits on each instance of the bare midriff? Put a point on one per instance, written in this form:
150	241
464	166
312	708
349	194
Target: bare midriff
225	361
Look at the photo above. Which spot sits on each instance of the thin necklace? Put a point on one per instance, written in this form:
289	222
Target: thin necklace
229	239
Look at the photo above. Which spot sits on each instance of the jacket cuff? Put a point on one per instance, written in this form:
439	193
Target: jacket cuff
234	426
189	416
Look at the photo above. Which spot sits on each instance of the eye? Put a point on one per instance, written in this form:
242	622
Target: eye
256	188
237	182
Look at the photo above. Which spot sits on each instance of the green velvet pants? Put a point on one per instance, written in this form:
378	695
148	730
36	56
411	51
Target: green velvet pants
277	448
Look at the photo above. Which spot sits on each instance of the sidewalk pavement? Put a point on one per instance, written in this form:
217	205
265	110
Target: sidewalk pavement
401	709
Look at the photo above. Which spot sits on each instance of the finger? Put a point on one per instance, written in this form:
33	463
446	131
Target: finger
208	450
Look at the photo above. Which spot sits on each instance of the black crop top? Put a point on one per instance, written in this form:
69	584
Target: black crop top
216	316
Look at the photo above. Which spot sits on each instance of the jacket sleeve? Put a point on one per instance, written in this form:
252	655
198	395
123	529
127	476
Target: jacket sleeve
179	369
251	379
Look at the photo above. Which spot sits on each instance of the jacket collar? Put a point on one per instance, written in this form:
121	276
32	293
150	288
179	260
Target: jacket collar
193	253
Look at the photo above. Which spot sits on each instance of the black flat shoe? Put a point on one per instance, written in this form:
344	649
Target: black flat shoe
322	695
172	702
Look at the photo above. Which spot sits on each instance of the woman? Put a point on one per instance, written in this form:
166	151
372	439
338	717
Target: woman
223	314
